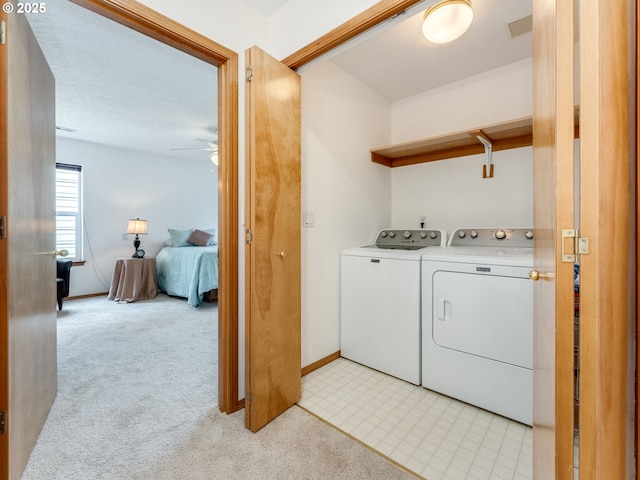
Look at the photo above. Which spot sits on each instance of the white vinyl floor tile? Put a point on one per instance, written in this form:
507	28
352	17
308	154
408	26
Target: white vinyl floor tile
434	436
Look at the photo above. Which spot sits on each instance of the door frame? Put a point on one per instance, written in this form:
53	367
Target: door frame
155	25
606	280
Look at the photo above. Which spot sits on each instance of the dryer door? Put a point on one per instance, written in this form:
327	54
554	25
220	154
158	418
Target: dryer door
488	315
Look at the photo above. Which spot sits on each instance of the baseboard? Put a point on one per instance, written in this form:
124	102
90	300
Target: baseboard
320	363
88	295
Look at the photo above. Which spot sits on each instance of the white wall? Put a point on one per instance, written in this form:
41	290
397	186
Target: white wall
495	96
120	184
452	193
347	193
300	22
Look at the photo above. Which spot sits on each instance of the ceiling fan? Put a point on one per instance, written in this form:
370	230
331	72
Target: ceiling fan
213	148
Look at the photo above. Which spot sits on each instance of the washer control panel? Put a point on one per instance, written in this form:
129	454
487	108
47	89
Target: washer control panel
492	237
410	239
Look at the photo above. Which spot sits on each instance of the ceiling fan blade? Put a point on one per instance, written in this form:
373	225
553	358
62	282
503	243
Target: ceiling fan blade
201	149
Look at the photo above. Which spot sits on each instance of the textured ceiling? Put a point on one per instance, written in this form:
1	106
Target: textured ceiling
118	87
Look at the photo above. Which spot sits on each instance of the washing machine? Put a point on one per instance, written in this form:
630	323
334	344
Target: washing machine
380	297
477	315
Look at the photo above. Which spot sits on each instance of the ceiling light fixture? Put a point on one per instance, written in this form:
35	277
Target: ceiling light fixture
447	20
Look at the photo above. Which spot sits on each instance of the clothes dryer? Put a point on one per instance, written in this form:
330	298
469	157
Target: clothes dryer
477	314
380	301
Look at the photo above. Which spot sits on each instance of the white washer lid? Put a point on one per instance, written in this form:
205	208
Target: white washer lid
392	253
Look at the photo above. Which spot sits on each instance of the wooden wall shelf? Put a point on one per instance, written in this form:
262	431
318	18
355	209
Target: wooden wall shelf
503	136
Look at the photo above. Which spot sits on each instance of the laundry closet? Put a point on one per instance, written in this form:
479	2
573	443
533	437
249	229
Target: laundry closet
352	198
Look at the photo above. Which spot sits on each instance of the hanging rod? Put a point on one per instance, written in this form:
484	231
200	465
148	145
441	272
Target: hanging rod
487	168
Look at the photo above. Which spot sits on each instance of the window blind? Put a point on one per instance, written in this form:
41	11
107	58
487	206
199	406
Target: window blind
69	209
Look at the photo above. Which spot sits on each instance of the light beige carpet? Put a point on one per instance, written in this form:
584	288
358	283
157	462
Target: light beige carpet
137	400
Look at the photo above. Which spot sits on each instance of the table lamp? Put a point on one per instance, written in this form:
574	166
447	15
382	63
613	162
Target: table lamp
139	227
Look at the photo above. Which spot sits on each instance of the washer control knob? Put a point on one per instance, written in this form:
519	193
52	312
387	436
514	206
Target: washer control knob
423	234
383	234
392	234
473	234
501	234
462	234
406	234
433	234
529	234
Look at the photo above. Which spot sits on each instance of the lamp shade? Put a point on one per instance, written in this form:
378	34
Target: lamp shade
447	20
137	226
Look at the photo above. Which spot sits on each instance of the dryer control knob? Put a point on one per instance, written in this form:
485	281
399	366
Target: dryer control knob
433	235
473	234
529	234
383	234
501	234
406	234
423	234
392	234
462	234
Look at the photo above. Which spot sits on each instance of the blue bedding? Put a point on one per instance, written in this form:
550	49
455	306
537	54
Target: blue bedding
187	272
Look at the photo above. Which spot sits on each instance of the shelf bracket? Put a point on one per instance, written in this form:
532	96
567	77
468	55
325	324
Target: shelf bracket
487	168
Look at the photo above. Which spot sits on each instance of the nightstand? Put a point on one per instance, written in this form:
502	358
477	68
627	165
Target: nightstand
134	279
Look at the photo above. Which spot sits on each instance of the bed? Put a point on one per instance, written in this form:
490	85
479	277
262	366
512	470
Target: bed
187	269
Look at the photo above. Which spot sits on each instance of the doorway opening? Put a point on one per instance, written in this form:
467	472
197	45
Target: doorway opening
148	22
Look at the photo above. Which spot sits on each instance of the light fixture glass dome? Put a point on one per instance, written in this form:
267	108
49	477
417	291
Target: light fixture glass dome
447	20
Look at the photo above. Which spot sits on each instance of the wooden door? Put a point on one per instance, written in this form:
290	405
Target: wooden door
28	272
605	375
606	279
553	142
272	219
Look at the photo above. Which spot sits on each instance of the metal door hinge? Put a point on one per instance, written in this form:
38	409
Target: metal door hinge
580	245
249	396
3	422
249	236
3	38
3	227
249	74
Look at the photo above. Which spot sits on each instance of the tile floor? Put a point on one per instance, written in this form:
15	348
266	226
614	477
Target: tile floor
434	436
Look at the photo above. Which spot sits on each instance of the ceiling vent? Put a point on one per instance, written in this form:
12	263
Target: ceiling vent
520	26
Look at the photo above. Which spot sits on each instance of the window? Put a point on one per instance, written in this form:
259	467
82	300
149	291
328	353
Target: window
69	209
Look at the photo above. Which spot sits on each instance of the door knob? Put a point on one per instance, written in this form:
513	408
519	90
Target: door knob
535	275
59	253
281	254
